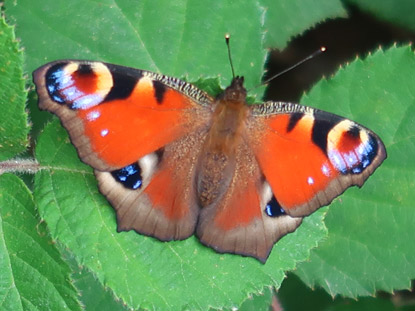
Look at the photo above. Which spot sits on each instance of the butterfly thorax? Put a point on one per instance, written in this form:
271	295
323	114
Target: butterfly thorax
216	165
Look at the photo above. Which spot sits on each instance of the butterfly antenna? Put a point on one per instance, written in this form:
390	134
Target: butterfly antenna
227	39
316	53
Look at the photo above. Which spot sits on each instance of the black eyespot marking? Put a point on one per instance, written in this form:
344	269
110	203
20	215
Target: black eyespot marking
53	81
129	176
354	131
159	91
323	123
124	81
274	209
85	69
294	118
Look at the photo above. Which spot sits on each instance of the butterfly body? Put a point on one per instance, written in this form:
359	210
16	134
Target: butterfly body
217	159
174	161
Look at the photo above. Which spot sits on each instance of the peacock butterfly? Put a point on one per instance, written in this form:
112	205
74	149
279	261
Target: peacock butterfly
174	161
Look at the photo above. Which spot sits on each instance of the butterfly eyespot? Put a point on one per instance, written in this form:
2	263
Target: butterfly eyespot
351	150
129	176
79	86
274	209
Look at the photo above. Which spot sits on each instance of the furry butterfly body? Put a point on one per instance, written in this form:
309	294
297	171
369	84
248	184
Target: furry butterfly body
173	160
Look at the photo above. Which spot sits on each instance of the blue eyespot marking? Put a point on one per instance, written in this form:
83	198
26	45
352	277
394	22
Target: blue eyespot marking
273	208
129	176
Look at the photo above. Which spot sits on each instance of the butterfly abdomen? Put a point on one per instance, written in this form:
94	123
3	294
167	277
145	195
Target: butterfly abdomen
216	165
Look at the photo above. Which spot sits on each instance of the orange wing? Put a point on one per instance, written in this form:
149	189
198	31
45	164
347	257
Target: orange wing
116	115
309	156
140	131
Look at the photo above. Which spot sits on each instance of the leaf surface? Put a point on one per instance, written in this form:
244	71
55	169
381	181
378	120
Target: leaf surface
32	274
13	118
400	13
286	19
370	245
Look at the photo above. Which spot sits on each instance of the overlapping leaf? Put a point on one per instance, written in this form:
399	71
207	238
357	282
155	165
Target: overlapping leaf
13	118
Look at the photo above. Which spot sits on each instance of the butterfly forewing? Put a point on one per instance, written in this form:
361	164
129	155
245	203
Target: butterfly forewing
315	156
116	115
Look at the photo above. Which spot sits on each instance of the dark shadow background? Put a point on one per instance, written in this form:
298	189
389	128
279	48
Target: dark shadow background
344	39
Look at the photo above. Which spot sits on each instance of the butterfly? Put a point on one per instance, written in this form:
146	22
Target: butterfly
175	161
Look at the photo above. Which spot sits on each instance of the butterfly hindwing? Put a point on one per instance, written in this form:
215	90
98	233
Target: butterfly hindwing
246	220
116	115
309	156
155	196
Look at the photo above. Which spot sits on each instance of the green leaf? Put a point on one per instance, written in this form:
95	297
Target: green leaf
286	19
318	300
185	39
370	245
32	274
13	118
94	296
143	271
258	302
401	13
178	38
315	300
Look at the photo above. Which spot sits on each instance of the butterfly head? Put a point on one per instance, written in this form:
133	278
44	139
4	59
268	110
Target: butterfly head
236	92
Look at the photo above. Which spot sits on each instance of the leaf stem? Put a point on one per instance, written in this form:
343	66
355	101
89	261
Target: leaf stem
28	166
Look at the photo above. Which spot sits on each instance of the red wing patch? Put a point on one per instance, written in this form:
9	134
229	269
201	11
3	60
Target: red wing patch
121	131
